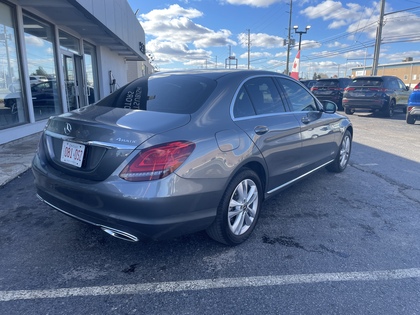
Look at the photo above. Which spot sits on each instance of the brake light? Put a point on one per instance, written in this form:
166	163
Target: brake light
417	87
158	161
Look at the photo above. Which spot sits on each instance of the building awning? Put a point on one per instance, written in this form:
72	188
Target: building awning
71	14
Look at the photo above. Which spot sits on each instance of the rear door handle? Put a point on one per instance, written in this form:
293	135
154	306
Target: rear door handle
260	130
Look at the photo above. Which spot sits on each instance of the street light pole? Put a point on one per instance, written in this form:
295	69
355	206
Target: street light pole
288	39
301	32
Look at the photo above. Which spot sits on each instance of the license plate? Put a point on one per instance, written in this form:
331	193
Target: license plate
359	94
72	153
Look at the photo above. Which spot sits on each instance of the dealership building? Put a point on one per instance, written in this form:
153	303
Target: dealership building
408	70
59	55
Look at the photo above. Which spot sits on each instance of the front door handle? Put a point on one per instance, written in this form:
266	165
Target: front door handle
260	130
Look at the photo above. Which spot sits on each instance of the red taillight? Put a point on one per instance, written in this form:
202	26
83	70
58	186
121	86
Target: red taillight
417	87
157	162
314	88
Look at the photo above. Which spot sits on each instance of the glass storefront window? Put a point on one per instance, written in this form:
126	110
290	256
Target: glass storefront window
39	42
91	72
12	109
69	42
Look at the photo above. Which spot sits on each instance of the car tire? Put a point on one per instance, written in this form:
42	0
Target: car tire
343	155
410	119
348	111
388	110
238	210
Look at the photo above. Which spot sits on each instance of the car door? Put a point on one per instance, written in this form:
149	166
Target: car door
402	92
319	131
260	112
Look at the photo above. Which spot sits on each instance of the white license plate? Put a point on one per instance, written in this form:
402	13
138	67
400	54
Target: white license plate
72	153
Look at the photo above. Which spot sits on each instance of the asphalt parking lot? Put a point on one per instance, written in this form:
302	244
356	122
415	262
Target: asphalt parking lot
332	244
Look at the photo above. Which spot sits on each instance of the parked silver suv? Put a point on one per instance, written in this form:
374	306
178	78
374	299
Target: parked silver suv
376	93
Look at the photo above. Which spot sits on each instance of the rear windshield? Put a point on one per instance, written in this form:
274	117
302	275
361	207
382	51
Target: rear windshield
366	82
327	83
180	94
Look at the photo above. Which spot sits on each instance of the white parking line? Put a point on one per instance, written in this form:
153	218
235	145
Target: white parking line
206	284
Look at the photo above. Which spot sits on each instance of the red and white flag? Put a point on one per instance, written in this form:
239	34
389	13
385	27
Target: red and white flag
295	69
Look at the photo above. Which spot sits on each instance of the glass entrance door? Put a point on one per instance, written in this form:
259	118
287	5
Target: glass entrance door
70	82
74	83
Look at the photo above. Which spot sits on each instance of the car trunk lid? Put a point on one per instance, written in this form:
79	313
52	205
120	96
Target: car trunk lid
94	144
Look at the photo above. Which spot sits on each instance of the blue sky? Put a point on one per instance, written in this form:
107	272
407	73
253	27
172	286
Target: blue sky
191	34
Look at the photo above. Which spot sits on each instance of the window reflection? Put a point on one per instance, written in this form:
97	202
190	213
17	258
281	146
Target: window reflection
39	42
91	72
12	110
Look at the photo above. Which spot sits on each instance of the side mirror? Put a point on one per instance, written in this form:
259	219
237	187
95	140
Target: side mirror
407	87
329	106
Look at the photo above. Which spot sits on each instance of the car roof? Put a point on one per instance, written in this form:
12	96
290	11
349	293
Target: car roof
218	73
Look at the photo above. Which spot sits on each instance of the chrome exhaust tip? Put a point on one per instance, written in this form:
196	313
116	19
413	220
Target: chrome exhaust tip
120	234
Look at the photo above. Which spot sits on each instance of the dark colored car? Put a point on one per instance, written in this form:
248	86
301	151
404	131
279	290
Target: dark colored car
180	152
308	83
44	97
413	106
376	93
331	90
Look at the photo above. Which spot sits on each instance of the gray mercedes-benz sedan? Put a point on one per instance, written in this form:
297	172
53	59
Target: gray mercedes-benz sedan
179	152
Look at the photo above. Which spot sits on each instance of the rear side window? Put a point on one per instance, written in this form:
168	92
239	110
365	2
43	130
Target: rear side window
258	96
367	82
179	94
300	99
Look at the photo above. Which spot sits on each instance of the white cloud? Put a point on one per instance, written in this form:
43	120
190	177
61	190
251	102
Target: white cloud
34	41
174	36
261	40
253	3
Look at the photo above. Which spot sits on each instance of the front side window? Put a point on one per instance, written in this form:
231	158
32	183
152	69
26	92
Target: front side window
401	84
299	98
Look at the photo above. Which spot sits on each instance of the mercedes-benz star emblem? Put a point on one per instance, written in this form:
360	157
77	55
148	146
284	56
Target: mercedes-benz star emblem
67	129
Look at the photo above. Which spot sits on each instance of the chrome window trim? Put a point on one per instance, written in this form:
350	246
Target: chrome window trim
232	104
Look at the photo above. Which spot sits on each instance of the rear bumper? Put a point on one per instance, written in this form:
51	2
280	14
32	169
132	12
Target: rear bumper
415	111
145	210
377	104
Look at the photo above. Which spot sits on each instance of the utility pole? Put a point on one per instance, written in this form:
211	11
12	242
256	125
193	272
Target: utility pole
288	39
249	48
378	40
